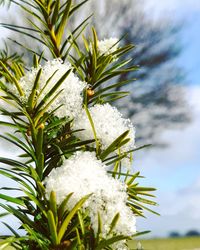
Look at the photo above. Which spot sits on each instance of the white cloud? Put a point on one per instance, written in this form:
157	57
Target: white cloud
179	211
175	172
184	201
184	143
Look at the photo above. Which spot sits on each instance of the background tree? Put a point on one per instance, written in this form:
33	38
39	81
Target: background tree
192	232
157	99
174	234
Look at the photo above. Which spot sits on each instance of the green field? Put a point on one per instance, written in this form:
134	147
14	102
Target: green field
189	243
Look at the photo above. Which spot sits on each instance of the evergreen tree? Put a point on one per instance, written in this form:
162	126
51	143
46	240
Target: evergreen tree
75	188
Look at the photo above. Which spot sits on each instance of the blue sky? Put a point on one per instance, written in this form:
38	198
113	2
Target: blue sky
187	12
191	39
175	171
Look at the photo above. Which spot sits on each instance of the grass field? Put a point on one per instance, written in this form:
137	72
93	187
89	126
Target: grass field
189	243
192	243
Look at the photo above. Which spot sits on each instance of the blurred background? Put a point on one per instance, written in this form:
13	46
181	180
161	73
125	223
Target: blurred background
164	104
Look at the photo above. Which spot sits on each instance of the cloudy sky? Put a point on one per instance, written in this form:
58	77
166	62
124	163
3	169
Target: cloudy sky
175	171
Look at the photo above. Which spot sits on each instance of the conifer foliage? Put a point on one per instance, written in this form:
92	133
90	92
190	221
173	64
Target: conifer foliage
74	183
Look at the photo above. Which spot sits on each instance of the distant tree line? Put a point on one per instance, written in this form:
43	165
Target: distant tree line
190	233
